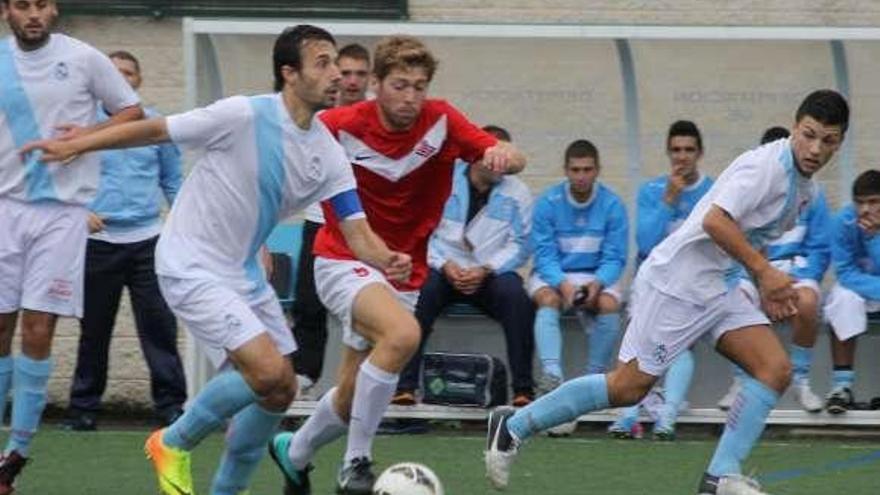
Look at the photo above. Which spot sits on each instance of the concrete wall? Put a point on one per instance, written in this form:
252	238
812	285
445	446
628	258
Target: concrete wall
550	92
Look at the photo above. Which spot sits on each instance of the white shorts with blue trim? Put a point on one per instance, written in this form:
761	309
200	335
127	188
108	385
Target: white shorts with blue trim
42	257
663	326
578	279
338	282
222	319
847	312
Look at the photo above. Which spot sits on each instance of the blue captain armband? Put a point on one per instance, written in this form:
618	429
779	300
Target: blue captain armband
347	205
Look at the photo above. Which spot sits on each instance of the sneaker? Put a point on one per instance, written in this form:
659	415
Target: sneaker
521	399
726	402
562	430
306	388
356	478
839	400
296	481
10	466
404	398
806	398
664	426
80	421
172	466
547	383
624	429
501	447
734	484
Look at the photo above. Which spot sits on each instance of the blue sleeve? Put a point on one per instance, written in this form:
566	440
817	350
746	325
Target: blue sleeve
614	246
652	218
547	262
844	255
346	205
170	171
816	248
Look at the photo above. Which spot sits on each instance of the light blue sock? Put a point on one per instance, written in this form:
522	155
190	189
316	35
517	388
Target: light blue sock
566	403
28	400
843	378
678	381
548	340
801	358
223	396
745	422
602	342
6	365
246	439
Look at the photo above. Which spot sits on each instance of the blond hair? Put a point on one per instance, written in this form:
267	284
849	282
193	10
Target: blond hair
402	52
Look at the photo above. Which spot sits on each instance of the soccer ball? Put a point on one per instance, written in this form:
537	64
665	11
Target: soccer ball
408	478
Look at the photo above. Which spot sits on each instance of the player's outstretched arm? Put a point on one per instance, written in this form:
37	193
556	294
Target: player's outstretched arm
777	293
126	135
371	249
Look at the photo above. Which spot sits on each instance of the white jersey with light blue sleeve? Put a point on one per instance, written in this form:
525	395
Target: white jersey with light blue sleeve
64	82
763	192
256	167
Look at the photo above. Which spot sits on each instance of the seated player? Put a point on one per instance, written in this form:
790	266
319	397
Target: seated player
474	254
855	254
579	234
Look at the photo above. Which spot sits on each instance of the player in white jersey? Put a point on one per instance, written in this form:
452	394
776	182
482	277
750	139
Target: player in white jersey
50	84
688	287
264	158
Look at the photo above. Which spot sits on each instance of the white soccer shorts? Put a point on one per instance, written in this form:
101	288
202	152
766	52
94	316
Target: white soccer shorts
222	319
338	283
576	278
42	257
847	311
664	326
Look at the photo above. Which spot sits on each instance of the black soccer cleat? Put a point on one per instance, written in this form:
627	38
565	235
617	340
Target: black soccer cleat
839	401
10	466
357	478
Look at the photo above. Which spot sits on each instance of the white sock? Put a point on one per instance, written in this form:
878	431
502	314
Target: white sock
322	427
373	391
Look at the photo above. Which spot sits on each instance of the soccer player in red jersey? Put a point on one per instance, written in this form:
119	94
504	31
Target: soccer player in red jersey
402	146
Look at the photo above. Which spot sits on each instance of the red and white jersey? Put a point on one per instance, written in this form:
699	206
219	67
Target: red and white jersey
404	178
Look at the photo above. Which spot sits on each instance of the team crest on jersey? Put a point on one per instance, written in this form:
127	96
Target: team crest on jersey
660	354
232	322
424	149
61	71
360	271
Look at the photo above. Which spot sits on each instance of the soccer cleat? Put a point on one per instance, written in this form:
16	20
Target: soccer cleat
172	466
726	402
501	447
11	465
733	484
356	478
839	400
547	383
806	398
664	426
296	481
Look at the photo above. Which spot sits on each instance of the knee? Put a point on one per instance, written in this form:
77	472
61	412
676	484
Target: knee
608	304
276	384
404	340
776	375
625	391
548	298
808	303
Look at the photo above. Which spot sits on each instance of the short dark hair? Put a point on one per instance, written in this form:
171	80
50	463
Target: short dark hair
355	51
774	133
866	184
581	148
684	128
126	55
288	48
499	132
826	106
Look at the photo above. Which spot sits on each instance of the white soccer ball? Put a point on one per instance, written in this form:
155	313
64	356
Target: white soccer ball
408	478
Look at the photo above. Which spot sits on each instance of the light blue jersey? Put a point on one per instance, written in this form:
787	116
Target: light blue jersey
655	219
806	245
579	237
856	255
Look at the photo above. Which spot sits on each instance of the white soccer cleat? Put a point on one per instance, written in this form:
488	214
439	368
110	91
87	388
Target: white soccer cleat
727	401
733	484
807	399
501	448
